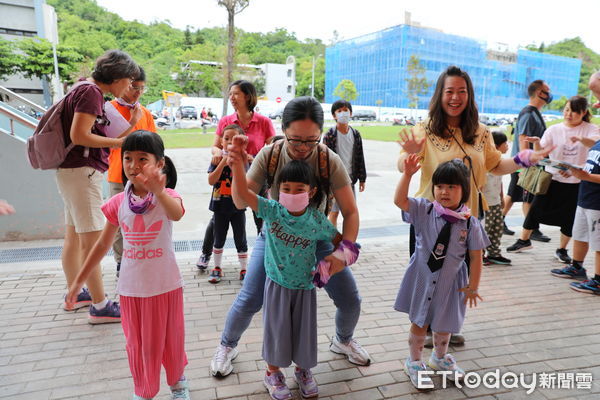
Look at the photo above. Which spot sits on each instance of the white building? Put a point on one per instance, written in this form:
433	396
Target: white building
29	18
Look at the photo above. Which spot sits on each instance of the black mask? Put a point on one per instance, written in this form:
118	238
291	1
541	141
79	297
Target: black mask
548	98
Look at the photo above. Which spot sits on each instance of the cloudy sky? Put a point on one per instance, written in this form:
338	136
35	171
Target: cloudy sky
513	22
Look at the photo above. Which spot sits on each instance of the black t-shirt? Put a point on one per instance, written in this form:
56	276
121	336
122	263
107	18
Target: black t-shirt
529	123
221	200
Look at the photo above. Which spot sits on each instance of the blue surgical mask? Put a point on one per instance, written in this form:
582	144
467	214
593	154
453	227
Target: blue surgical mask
343	117
548	98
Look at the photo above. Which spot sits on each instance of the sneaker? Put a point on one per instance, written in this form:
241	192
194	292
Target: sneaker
202	262
306	383
220	365
590	286
181	390
354	351
519	246
498	260
215	275
412	369
136	397
538	236
446	363
506	231
456	339
562	256
109	314
84	299
242	274
570	272
486	261
275	384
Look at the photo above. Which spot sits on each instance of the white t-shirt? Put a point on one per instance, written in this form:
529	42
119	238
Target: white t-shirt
572	152
345	147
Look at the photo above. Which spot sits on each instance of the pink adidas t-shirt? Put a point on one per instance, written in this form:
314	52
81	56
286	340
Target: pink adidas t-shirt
559	135
148	265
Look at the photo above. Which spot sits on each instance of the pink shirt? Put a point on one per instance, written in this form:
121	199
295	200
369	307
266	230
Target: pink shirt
572	152
148	265
258	131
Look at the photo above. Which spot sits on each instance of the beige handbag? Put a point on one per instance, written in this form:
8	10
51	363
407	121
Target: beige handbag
535	180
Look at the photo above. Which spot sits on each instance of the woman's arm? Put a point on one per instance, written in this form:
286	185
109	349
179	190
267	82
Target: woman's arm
81	133
345	200
586	141
508	165
213	177
100	248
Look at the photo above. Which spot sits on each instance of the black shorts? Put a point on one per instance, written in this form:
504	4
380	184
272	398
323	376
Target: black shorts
516	192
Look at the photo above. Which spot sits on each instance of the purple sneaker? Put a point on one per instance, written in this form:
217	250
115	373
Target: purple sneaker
306	383
109	314
275	384
83	300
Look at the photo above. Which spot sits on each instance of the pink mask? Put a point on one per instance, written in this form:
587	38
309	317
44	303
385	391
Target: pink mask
294	202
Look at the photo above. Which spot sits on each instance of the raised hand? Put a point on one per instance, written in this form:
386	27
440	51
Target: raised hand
136	115
408	141
411	164
5	208
542	153
152	179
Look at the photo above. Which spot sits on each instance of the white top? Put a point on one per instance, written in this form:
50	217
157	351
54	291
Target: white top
492	189
345	147
572	152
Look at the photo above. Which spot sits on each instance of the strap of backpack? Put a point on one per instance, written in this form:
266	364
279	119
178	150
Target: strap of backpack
272	162
323	159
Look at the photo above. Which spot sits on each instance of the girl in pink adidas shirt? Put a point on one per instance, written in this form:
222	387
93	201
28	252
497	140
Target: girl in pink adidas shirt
150	283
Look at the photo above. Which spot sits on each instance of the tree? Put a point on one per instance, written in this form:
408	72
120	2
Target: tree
558	104
346	90
38	59
417	83
233	7
9	61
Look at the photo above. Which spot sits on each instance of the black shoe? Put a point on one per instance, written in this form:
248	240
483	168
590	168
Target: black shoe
539	236
519	246
562	256
507	231
498	260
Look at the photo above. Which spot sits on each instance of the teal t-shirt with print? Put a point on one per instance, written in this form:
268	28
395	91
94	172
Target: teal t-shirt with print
291	243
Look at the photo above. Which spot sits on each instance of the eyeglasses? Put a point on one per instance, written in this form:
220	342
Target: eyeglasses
140	89
307	143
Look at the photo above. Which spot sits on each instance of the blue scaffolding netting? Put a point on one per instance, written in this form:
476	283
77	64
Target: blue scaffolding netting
377	64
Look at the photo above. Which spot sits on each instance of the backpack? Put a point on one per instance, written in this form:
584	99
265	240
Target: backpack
46	148
323	156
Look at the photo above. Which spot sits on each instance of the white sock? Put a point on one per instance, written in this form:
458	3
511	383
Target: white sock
243	259
440	344
101	305
218	253
415	344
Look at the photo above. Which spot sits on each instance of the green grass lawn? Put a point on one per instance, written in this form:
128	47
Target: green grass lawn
187	138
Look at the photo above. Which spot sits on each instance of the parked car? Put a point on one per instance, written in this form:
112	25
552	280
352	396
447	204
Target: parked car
187	112
276	114
392	116
364	115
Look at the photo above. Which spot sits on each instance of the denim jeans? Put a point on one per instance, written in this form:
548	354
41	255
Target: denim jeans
341	288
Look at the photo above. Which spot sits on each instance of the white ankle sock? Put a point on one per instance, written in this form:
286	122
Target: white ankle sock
440	344
218	253
243	259
101	305
415	344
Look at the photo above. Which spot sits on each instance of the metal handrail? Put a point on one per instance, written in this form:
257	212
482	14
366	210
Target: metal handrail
22	99
12	116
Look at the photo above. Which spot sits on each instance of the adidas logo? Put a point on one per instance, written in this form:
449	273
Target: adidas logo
139	235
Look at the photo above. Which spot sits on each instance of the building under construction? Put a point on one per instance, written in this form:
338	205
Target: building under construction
377	64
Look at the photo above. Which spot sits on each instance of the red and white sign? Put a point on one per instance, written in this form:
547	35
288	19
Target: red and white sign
278	99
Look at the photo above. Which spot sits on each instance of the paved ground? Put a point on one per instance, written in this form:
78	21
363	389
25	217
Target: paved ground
530	322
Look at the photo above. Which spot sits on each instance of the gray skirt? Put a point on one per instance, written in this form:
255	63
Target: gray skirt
290	326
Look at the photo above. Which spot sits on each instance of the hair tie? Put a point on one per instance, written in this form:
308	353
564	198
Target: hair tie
347	252
523	158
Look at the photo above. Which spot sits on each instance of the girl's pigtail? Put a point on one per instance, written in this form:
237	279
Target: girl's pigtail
171	173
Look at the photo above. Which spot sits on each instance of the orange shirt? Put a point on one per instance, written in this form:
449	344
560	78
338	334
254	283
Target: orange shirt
115	164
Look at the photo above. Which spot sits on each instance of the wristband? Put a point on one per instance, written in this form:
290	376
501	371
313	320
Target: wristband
522	158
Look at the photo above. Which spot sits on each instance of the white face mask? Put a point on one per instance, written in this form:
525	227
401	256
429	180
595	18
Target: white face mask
343	117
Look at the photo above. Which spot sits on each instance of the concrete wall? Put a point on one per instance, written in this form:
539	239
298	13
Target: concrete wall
33	193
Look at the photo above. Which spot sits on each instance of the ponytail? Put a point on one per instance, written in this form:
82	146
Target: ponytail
171	173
